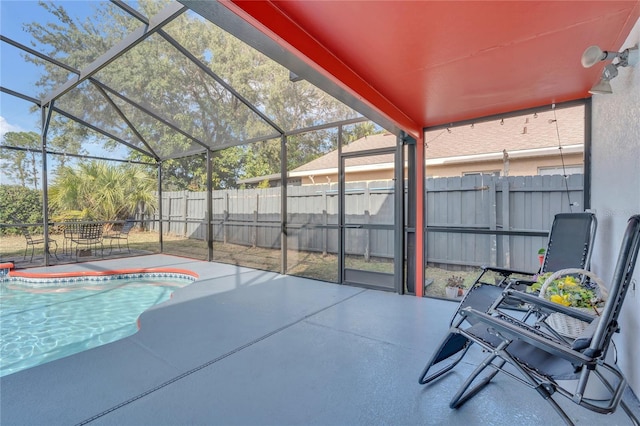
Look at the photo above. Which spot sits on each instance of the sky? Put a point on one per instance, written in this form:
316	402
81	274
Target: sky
18	75
15	73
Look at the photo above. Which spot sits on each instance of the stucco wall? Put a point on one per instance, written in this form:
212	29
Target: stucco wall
517	167
616	193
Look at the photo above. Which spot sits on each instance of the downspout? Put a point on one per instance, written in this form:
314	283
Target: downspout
586	179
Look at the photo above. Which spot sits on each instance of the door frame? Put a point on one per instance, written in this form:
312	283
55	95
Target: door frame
378	281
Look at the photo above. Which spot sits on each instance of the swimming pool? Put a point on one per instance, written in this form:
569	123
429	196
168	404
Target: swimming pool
40	323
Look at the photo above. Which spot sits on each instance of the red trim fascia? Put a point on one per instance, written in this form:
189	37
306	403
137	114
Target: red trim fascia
420	172
7	265
273	22
22	274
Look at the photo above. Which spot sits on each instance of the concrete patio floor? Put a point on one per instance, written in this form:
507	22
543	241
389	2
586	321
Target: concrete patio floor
246	347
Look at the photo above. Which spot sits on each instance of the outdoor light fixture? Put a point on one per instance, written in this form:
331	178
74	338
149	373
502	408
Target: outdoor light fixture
593	54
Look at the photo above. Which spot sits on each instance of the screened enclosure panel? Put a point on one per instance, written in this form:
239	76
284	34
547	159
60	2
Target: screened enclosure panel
67	137
18	115
20	72
157	76
92	37
87	103
263	82
187	87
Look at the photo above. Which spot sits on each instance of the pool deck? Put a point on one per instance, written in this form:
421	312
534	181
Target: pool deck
249	347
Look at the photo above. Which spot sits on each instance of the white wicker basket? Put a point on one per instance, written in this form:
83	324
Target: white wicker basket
565	325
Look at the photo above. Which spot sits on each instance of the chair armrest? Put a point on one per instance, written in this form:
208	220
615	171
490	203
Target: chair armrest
512	329
506	272
547	306
519	281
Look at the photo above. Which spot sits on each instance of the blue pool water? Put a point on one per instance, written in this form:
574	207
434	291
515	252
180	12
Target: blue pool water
38	325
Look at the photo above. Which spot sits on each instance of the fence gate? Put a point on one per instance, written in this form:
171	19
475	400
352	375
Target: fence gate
367	223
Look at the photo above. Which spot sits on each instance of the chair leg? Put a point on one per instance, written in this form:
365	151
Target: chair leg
55	252
452	344
630	413
462	395
545	392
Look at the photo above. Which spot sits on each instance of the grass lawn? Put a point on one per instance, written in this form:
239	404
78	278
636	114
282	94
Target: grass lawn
305	264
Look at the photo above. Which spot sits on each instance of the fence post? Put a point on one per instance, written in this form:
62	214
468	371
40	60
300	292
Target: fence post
367	220
325	223
225	218
186	214
506	223
492	206
254	238
168	215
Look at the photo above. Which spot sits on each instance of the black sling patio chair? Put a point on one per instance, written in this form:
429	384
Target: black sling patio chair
70	231
89	235
33	242
120	235
550	365
569	245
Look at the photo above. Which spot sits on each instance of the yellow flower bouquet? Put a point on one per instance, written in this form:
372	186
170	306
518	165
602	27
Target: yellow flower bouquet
565	288
568	291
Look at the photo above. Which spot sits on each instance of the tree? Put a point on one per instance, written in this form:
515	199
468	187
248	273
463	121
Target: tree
103	191
157	75
23	166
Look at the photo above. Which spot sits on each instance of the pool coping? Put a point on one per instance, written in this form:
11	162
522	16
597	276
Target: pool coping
83	276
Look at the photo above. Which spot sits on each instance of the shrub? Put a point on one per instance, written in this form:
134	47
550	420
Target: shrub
19	204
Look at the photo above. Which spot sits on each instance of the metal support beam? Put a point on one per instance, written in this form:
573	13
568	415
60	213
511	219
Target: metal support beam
420	208
341	188
96	83
220	81
398	243
160	207
166	15
411	213
209	207
126	120
45	114
99	130
38	54
148	112
234	17
327	126
20	95
65	154
283	204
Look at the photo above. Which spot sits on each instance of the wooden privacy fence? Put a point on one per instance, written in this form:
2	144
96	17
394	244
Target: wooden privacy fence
466	217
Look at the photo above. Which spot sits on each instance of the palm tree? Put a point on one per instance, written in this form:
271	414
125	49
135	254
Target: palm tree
101	191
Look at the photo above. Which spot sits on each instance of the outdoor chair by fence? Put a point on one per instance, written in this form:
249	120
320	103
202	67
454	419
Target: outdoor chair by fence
89	235
569	246
120	235
70	230
578	370
33	242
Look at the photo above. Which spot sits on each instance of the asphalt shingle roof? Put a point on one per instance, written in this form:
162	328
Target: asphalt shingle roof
530	131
